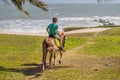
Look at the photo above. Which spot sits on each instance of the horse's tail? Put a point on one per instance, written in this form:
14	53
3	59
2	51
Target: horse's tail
44	51
44	46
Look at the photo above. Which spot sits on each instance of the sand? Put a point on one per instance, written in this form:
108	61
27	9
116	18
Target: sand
88	30
69	32
24	33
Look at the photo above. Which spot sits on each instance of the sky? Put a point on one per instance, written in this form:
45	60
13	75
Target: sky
75	1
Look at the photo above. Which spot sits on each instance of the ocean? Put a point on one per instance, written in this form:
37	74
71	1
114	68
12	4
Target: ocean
69	15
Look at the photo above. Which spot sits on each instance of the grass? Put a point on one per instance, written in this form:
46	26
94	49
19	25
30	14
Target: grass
78	74
18	48
106	44
86	58
73	42
73	28
114	32
97	61
88	35
109	26
20	54
76	28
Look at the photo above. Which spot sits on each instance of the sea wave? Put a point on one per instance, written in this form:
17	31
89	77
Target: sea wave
89	21
23	25
90	18
36	26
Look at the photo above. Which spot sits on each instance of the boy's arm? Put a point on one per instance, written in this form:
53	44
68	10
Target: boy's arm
58	32
47	30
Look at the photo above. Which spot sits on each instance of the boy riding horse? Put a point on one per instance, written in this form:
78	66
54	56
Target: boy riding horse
52	44
53	32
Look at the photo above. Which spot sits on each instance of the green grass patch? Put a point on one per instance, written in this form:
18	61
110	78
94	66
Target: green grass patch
104	46
109	26
107	43
81	74
81	35
98	60
72	28
112	32
73	42
18	54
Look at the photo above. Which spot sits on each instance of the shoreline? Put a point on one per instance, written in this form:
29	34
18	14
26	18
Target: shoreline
46	34
24	33
88	30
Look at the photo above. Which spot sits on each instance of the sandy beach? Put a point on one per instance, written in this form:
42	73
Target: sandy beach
69	32
24	33
88	30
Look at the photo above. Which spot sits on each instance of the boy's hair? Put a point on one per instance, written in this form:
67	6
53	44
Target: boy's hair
54	19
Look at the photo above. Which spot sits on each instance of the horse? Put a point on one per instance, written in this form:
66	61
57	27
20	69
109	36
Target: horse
49	46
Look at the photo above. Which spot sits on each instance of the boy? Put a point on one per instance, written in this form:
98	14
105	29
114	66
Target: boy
52	30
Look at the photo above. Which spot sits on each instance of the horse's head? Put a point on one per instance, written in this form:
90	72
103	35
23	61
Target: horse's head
63	38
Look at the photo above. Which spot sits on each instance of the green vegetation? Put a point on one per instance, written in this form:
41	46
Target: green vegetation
111	26
73	28
72	42
76	28
98	59
20	4
86	57
104	46
18	54
107	43
114	32
87	35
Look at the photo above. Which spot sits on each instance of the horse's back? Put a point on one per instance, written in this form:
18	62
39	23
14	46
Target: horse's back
49	42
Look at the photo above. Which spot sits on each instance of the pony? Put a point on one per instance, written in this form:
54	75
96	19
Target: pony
49	46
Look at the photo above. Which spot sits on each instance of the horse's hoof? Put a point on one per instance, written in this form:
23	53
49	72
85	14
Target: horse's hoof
50	67
43	67
53	64
59	62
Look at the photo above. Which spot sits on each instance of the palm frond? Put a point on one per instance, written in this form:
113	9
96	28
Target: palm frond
39	4
19	4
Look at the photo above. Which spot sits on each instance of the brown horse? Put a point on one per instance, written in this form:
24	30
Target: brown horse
49	45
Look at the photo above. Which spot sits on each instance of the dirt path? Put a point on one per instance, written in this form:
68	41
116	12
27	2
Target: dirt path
71	56
76	59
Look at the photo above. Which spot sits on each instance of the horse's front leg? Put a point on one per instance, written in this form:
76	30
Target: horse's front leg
60	57
54	58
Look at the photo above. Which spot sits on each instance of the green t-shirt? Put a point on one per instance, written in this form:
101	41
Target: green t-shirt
52	29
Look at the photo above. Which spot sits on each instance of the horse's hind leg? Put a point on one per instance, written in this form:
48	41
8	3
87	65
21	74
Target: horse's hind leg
44	58
50	60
